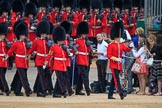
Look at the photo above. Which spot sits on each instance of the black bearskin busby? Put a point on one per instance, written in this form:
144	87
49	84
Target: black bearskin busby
57	3
43	28
35	2
21	29
59	34
3	28
30	8
68	3
117	30
15	24
5	7
18	6
136	3
96	4
44	3
82	28
127	4
118	4
84	4
107	3
67	26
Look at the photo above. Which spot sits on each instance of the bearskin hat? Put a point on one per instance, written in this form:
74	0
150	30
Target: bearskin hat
15	24
30	8
67	26
3	28
21	29
68	3
118	3
127	4
57	3
59	34
35	2
5	7
44	3
107	3
84	4
43	28
117	30
82	28
96	4
136	3
23	1
18	6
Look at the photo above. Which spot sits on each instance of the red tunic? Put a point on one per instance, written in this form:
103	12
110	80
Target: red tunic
21	52
3	51
113	51
41	48
59	55
74	21
40	16
82	57
31	34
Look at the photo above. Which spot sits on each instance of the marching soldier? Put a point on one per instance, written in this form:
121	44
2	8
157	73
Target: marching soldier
109	15
82	58
41	48
68	42
30	13
70	16
118	7
20	48
59	66
4	46
85	14
43	14
97	18
56	14
114	54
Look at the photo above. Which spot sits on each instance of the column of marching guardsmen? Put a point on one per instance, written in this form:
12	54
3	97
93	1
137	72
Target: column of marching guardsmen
98	21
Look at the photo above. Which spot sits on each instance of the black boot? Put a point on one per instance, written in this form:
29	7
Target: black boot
79	93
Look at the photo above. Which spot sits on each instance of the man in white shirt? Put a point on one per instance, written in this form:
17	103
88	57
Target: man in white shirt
102	61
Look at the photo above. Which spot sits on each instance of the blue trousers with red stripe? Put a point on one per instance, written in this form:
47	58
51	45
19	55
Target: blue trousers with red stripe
115	81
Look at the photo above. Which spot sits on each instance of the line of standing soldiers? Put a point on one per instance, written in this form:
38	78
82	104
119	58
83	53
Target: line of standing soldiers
21	20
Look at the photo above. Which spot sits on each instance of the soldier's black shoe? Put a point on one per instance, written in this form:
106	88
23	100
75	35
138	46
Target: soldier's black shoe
1	93
79	93
121	97
28	93
41	94
19	94
7	93
57	96
110	97
71	93
65	94
88	93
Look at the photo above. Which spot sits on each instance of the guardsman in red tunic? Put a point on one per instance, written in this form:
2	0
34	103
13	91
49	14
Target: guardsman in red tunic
59	66
3	52
108	14
56	14
20	48
114	54
70	16
30	13
118	7
82	58
43	14
85	14
97	19
41	48
68	42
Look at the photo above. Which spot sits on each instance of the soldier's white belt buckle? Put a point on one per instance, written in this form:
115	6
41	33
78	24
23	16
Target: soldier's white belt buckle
83	53
21	56
62	59
96	27
42	55
2	55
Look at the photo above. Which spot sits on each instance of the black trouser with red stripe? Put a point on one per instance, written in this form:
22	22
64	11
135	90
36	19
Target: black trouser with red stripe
22	81
83	78
60	87
41	84
115	81
3	79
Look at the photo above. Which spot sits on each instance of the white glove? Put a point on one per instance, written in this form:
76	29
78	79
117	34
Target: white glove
119	59
44	66
131	45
